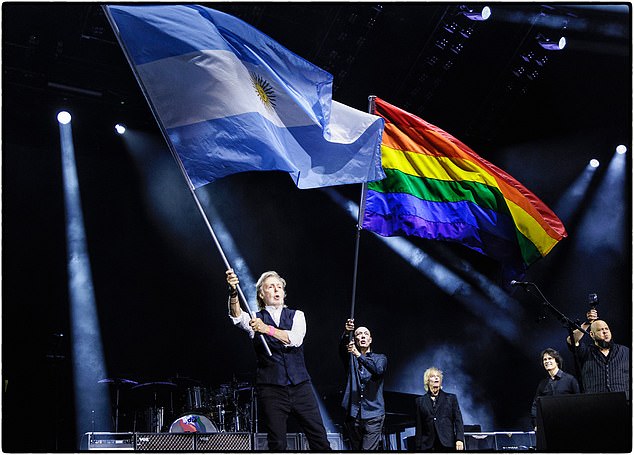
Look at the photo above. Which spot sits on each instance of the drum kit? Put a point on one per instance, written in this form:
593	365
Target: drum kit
184	405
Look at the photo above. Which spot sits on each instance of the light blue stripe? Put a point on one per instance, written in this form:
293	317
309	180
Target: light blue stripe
217	148
152	33
174	50
160	31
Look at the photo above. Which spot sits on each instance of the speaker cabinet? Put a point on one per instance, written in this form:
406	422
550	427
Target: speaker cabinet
173	442
110	441
223	441
335	440
292	442
585	422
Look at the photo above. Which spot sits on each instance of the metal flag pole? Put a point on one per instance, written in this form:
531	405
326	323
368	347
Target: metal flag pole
353	370
364	189
192	190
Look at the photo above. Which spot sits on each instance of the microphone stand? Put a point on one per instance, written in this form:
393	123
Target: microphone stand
570	325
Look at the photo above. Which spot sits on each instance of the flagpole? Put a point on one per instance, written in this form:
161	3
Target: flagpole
192	190
364	188
352	365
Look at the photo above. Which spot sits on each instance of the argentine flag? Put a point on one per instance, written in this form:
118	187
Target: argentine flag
230	99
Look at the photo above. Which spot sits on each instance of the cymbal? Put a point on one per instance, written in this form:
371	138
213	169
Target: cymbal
185	381
117	381
154	386
236	386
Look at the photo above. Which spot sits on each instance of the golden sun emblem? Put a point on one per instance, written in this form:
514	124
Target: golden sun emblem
264	90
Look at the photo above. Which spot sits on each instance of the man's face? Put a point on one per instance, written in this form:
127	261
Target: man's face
435	380
549	362
272	291
601	331
362	337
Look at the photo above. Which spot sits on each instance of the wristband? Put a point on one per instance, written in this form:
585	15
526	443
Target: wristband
271	330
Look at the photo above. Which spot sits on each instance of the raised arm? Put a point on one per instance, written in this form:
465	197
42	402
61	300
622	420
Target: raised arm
234	302
591	316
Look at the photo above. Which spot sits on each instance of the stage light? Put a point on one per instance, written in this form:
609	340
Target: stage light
551	45
594	163
475	15
119	128
92	402
621	149
63	117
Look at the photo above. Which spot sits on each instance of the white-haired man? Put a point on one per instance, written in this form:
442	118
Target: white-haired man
283	384
439	426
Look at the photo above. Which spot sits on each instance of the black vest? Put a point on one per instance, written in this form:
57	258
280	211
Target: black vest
286	364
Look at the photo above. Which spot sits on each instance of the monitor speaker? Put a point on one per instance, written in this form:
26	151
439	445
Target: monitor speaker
585	422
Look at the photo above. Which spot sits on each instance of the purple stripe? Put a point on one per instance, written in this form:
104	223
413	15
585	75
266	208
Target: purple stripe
397	206
485	231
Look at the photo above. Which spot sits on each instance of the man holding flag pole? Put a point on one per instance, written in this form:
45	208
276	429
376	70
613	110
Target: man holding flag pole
284	386
230	99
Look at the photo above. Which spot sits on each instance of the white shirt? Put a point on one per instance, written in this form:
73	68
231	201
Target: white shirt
295	335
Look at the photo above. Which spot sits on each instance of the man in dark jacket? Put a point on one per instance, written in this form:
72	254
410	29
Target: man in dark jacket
605	365
439	424
558	381
363	397
283	383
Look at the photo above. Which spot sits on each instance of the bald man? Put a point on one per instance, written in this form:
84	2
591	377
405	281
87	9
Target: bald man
605	365
363	397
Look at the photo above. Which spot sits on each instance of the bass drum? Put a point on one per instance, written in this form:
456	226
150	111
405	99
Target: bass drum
193	423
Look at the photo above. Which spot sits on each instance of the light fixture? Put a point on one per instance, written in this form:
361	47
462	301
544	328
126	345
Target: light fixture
476	15
621	149
119	128
594	163
551	45
63	117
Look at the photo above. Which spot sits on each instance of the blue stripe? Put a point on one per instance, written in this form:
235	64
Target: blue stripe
397	205
410	216
155	32
216	148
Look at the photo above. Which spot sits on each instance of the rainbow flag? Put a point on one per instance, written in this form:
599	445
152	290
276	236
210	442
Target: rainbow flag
438	188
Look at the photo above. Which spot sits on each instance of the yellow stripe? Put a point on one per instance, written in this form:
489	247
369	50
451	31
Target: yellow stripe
458	169
435	167
531	229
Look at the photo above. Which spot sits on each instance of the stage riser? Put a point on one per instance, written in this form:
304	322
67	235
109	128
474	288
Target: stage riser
499	441
197	442
515	441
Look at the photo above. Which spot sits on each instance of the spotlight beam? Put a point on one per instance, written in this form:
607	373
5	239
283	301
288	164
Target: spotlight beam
92	401
501	311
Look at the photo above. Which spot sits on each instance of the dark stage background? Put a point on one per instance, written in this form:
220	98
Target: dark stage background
159	281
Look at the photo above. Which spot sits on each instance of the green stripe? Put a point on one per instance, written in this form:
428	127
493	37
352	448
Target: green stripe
441	190
454	191
529	251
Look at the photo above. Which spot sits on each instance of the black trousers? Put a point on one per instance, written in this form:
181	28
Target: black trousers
278	402
364	434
